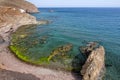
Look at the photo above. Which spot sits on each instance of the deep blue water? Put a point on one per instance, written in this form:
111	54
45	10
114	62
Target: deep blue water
79	25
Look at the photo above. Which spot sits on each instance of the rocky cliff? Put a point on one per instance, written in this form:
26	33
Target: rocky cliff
21	4
12	16
94	67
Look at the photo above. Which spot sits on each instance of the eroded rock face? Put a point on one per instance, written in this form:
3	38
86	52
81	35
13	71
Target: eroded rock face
94	67
20	4
13	17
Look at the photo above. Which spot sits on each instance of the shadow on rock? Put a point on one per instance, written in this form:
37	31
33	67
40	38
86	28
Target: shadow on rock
77	64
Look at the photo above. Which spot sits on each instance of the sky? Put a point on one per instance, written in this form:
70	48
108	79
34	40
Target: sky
76	3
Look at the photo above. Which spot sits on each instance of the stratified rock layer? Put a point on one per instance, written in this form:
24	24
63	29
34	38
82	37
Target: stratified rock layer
93	68
20	4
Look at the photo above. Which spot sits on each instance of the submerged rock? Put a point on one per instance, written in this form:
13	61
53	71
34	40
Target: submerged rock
86	50
43	22
61	51
65	48
94	67
23	36
43	39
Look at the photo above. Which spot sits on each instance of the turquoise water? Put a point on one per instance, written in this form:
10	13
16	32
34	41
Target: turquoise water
76	26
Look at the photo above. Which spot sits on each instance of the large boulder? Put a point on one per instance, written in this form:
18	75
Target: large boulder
20	4
94	67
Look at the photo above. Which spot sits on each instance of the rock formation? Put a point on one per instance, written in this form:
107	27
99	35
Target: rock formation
86	50
60	51
20	4
13	15
44	22
94	67
12	18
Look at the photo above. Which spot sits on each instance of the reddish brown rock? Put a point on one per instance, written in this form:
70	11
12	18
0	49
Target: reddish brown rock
11	17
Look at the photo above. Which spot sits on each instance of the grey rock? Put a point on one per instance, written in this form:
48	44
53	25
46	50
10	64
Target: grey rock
1	40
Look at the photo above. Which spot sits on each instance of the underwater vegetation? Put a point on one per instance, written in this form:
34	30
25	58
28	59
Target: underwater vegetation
60	51
29	48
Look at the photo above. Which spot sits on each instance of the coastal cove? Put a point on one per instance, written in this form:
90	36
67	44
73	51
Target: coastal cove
73	27
9	63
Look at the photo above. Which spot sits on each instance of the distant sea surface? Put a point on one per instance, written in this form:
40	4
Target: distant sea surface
79	25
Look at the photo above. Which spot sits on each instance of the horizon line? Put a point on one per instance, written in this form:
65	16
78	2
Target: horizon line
78	7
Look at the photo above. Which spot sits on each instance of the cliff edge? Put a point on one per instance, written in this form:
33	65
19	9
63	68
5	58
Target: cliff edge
12	18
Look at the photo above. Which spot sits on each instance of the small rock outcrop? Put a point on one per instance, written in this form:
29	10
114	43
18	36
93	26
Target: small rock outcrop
43	22
86	50
94	67
20	4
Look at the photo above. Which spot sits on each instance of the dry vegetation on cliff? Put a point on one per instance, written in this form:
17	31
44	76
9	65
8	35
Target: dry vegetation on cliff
21	4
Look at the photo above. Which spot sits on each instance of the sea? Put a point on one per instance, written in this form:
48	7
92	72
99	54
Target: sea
76	26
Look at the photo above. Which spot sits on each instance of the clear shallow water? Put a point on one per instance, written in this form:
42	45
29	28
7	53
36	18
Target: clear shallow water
75	26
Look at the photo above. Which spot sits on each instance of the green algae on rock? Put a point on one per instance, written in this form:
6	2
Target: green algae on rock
44	49
61	51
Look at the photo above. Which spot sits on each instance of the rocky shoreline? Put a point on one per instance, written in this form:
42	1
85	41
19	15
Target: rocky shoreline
8	61
10	20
